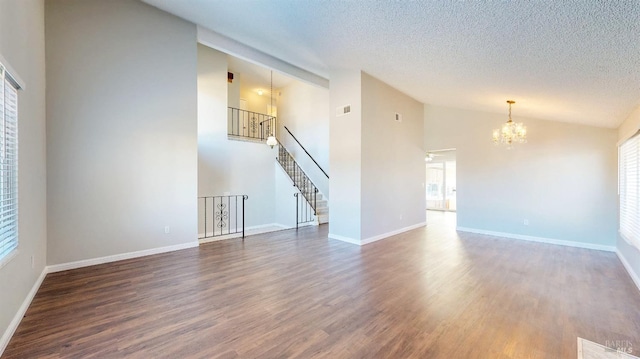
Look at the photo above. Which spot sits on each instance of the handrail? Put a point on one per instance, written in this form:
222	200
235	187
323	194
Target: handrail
269	118
307	152
300	179
243	123
255	113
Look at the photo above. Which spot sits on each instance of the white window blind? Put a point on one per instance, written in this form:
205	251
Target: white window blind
8	164
629	177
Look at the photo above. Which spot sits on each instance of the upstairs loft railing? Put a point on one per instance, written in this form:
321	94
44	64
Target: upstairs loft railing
221	215
249	124
300	179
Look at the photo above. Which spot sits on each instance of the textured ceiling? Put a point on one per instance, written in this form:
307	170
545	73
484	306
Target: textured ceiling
571	61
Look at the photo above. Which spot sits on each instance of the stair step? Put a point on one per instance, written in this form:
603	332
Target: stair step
323	218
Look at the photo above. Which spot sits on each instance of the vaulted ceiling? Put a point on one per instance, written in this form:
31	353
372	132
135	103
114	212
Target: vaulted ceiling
572	61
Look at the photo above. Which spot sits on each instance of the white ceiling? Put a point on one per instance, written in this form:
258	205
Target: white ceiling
573	60
256	77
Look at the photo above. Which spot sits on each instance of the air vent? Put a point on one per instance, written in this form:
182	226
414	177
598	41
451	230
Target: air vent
398	117
343	110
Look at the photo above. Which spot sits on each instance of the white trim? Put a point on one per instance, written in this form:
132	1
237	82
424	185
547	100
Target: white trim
6	336
15	322
392	233
5	260
235	48
634	276
118	257
344	239
254	230
362	242
580	348
12	73
560	242
627	136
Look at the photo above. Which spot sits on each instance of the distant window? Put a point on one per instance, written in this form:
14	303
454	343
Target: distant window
629	177
8	164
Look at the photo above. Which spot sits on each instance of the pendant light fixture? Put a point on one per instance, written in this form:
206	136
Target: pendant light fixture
271	140
510	132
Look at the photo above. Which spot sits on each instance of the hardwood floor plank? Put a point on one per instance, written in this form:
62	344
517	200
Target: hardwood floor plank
427	293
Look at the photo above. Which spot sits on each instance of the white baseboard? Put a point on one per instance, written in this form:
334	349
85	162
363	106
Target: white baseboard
263	228
560	242
118	257
634	276
392	233
344	239
6	337
362	242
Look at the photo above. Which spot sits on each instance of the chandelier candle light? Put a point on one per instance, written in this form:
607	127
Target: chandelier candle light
510	132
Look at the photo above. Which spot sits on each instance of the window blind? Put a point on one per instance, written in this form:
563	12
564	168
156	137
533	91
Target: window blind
8	164
629	177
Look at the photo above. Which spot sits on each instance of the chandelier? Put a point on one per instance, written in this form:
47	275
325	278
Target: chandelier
510	132
271	140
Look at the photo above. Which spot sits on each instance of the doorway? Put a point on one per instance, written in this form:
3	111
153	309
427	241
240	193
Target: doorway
441	180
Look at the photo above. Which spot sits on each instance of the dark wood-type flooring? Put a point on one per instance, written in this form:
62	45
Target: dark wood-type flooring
427	293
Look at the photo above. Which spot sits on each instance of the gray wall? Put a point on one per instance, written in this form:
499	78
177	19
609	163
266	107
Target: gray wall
224	165
630	253
22	46
377	164
345	155
393	172
563	180
121	129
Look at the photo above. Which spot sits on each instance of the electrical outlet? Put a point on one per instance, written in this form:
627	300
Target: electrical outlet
525	222
167	229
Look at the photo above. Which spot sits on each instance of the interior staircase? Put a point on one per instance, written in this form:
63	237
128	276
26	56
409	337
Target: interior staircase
307	188
251	126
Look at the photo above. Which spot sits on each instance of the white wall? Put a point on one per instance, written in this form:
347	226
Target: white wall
237	167
22	46
563	180
121	129
233	90
393	170
629	253
345	138
304	109
377	178
257	103
285	200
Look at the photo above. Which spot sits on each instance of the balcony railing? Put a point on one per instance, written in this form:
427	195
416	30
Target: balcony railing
248	124
221	215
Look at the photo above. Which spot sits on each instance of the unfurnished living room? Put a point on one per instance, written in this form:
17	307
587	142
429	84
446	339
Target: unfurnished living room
319	179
